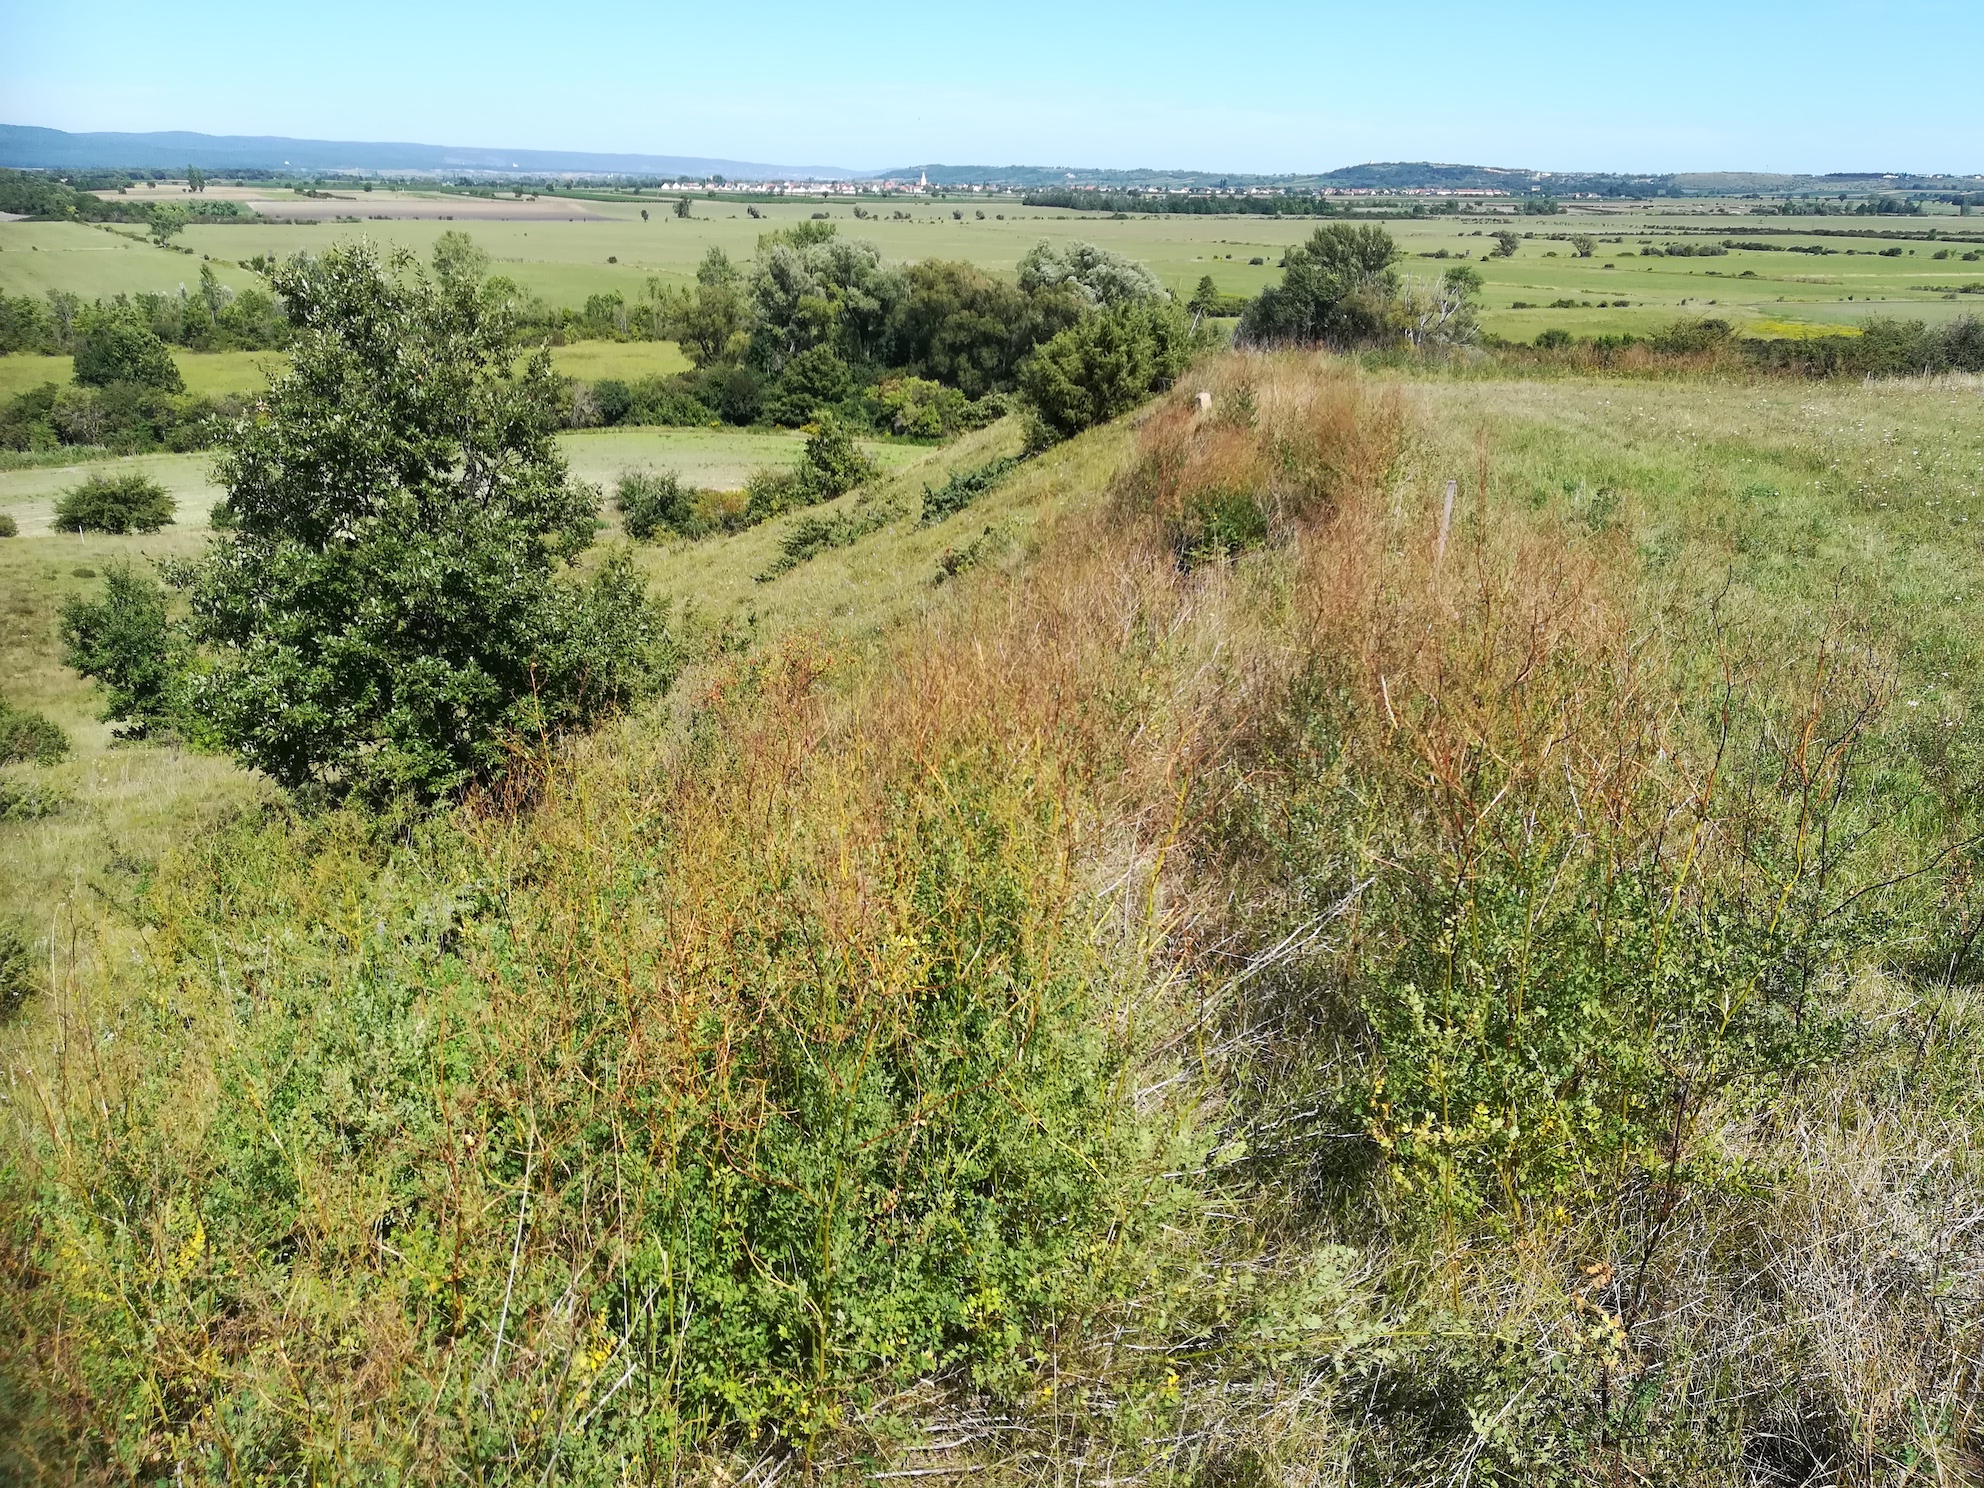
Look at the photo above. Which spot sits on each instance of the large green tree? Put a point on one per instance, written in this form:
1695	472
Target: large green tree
1340	289
810	287
957	324
394	601
710	321
1096	275
113	344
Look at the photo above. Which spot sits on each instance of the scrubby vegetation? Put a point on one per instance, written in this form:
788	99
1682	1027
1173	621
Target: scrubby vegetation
20	970
1878	347
1397	935
816	326
128	394
964	487
114	503
27	735
388	608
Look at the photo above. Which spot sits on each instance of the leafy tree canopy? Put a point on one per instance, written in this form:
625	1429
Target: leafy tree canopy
1097	275
1340	288
392	603
113	344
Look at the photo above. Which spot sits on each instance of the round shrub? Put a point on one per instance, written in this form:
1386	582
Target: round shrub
9	527
29	736
116	346
655	504
1104	365
115	504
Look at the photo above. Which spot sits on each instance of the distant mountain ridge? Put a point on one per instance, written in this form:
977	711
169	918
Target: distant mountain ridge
26	147
1425	175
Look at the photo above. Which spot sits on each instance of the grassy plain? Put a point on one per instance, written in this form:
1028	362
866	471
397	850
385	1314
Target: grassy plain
566	261
218	372
92	261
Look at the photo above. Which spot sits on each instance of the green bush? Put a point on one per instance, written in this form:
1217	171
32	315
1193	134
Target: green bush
964	487
1529	1055
114	503
8	526
396	606
113	345
1219	523
1339	289
812	535
833	465
654	504
125	641
1705	334
20	969
918	408
29	736
1104	365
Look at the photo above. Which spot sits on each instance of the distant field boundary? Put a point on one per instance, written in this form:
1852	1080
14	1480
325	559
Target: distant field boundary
1724	230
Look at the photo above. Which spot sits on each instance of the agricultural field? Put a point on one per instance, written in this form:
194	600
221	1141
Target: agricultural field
1776	291
97	260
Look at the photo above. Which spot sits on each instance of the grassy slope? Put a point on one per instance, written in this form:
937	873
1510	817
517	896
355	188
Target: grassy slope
1802	513
130	801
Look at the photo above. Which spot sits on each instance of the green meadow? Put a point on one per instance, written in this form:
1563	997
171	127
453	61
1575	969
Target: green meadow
1774	292
219	372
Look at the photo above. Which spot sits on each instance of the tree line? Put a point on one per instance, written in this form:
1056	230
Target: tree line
816	324
127	394
47	199
1298	204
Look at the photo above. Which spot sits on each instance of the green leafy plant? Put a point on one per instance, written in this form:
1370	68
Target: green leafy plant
114	344
833	465
1104	365
964	487
393	606
20	969
1338	289
653	504
29	736
115	504
810	536
125	641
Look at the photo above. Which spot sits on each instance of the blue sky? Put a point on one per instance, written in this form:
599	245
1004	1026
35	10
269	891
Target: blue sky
1255	85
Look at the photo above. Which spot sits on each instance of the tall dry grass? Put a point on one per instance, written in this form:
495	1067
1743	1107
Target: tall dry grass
1298	980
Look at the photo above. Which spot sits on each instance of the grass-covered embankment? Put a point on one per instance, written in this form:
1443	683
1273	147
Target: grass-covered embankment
1291	977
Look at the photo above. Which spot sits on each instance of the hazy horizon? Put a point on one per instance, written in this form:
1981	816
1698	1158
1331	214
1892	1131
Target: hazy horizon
1539	85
